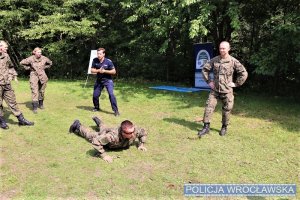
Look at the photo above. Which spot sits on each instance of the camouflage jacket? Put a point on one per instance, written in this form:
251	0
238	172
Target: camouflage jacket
223	70
37	67
5	68
112	139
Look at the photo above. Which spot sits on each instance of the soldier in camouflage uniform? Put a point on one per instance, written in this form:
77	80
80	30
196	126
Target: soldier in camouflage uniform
37	63
6	91
11	71
13	74
111	138
223	67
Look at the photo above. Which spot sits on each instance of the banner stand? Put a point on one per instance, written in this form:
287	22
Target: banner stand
203	54
92	56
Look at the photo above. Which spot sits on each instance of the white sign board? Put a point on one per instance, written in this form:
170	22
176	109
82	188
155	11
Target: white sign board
92	56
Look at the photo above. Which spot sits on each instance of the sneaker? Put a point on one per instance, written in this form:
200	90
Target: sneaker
117	113
96	109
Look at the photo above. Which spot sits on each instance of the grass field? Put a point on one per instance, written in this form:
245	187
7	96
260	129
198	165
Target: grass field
46	162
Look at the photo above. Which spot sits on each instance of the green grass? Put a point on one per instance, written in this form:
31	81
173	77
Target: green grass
45	162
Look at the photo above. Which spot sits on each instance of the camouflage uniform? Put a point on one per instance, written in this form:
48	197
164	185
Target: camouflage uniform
111	138
6	91
38	76
223	70
12	74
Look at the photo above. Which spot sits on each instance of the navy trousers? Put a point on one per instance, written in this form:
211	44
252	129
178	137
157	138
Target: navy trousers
98	87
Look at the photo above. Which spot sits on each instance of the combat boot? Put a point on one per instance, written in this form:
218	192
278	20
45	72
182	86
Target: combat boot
3	123
34	106
205	130
41	104
223	130
75	126
97	121
23	121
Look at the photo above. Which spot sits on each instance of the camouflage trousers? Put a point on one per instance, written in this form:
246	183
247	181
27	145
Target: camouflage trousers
93	136
8	95
89	134
37	89
227	101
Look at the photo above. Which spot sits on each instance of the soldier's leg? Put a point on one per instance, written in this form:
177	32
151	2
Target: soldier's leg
87	133
34	85
228	101
1	100
210	106
99	123
112	98
81	130
2	121
98	87
209	109
10	99
42	88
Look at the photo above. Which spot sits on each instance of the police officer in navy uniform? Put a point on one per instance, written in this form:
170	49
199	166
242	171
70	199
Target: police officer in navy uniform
104	68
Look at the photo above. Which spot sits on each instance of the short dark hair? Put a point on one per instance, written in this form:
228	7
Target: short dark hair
101	49
126	124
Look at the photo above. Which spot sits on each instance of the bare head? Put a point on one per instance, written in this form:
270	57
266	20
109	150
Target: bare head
127	129
101	53
224	49
3	46
37	52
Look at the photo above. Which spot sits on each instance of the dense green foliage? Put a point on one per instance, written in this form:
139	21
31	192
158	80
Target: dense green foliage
154	39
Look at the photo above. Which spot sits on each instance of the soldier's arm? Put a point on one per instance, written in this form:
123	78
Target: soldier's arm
48	63
205	71
99	142
142	137
26	63
242	73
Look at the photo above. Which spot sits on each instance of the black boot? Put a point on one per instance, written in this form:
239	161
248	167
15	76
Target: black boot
34	106
97	121
23	121
3	123
223	130
205	129
75	126
41	104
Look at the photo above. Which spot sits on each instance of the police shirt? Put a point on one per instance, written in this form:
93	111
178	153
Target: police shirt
107	64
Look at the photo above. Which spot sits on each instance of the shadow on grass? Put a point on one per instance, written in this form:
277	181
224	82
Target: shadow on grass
95	153
7	113
90	108
28	104
194	126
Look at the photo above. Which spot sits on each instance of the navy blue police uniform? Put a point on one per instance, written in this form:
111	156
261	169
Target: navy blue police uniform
104	80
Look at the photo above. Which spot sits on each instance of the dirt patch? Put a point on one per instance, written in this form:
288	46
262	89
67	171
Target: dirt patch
8	194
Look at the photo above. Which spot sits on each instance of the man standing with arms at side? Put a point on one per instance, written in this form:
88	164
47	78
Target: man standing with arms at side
6	91
104	68
223	67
